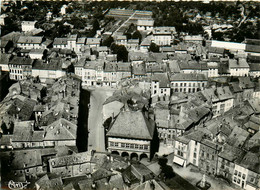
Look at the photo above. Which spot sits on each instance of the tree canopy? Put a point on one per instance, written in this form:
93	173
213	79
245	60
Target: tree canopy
121	51
154	48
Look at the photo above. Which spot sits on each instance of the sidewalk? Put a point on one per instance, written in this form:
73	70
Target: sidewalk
193	175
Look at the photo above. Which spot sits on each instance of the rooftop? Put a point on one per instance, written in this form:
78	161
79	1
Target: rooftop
54	64
30	39
74	159
21	61
188	77
132	124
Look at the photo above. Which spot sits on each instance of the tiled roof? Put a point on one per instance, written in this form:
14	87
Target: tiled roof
81	40
253	48
216	50
145	22
93	41
24	132
192	38
37	51
46	183
54	64
120	37
4	58
251	161
26	159
74	159
21	61
238	137
60	130
188	77
60	41
242	63
231	153
132	124
255	67
30	39
163	79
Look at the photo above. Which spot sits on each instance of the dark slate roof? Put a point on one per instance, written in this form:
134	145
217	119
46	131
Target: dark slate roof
230	153
163	79
132	124
4	58
21	61
68	160
216	50
54	64
26	159
188	77
253	48
61	129
60	41
255	67
251	161
23	132
30	39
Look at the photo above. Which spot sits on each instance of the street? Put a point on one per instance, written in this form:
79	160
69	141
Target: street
96	136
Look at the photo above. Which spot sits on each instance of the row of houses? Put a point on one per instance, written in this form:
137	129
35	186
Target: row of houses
224	147
33	116
208	130
20	68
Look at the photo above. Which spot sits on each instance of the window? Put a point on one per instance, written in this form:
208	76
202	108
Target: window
238	181
184	84
141	146
123	145
235	173
212	157
116	144
180	153
112	144
181	84
244	176
127	145
202	153
207	155
239	174
131	145
195	155
145	147
136	146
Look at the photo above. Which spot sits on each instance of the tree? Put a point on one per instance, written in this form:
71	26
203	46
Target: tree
166	170
121	51
108	41
154	48
95	25
137	35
